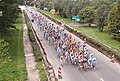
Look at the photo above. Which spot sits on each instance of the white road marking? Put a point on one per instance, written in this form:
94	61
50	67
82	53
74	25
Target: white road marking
101	79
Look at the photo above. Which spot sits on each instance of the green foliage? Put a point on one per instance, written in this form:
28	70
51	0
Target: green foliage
41	5
94	11
101	16
113	1
114	21
9	14
15	68
87	14
97	3
42	72
74	10
84	3
50	7
4	46
37	52
62	11
57	17
0	13
35	46
38	57
57	5
68	10
102	37
22	2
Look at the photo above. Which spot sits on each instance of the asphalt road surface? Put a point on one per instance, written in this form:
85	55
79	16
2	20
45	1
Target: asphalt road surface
104	71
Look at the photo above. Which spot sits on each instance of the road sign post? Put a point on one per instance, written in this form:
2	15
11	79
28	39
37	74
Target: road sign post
75	19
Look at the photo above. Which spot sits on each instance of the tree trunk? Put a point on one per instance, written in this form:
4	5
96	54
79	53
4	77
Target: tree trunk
89	24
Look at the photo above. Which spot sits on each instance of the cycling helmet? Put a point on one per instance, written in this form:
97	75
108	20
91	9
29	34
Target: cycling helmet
91	55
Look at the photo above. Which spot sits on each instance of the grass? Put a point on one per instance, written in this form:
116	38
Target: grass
37	52
14	70
41	71
38	58
57	17
102	37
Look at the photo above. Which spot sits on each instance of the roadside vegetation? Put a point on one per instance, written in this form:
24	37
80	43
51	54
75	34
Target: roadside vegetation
104	13
9	13
13	67
37	52
102	37
57	17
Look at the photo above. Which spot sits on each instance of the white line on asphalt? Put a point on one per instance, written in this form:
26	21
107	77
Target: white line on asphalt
101	79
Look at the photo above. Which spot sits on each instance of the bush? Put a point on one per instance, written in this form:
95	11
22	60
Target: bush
114	21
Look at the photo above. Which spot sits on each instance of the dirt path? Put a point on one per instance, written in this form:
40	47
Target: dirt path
32	72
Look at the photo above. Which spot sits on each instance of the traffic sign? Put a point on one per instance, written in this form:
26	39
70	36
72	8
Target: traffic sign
76	18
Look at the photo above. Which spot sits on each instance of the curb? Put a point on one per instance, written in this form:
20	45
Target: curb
48	67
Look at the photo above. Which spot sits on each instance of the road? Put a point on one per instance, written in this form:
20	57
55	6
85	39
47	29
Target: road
105	70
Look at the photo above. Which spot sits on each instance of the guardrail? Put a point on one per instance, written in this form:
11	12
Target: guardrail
99	46
48	66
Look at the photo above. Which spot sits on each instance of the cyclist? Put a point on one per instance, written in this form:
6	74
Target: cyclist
58	51
62	60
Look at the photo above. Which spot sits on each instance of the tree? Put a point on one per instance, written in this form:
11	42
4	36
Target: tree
63	12
74	10
84	3
87	14
63	8
9	14
0	13
4	58
57	5
114	21
68	10
97	3
101	16
22	2
41	5
113	1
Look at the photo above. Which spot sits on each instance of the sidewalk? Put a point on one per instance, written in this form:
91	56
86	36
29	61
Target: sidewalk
32	72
